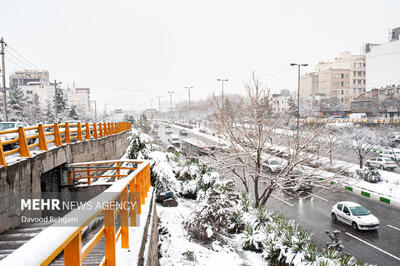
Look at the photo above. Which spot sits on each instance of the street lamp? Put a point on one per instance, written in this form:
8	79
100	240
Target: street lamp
188	88
222	92
298	91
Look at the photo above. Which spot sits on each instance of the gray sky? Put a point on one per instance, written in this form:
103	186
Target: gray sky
128	52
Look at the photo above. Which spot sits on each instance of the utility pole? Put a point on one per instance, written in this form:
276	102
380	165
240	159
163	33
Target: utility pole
170	100
159	105
55	99
222	92
151	108
105	111
188	88
95	110
3	74
298	92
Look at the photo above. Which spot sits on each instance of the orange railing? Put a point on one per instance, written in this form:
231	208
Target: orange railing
57	238
89	168
23	139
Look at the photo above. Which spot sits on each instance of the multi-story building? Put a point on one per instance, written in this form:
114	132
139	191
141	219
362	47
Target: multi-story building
343	78
24	77
280	103
81	98
383	62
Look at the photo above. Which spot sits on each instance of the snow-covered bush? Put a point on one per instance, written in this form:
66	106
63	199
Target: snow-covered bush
209	221
253	239
370	174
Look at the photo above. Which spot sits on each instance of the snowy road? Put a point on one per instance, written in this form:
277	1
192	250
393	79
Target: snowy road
313	213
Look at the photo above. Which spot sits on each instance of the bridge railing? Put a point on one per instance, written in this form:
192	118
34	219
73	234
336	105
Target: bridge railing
89	170
131	191
23	139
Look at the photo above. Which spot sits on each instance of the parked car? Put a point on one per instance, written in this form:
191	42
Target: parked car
183	132
381	163
167	126
355	215
394	155
203	131
168	132
10	136
272	165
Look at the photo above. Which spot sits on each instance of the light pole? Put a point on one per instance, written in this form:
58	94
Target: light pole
188	88
298	90
159	105
170	101
222	92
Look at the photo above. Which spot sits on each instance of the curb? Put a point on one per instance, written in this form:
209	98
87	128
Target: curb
373	196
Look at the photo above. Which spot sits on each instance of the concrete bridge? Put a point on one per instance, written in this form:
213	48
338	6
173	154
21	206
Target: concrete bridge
43	170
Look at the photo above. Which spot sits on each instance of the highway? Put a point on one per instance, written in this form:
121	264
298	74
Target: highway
312	212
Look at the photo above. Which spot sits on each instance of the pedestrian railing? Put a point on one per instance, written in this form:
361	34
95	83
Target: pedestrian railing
21	140
130	191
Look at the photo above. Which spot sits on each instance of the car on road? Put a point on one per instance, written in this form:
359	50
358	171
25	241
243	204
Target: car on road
355	215
183	132
381	163
272	165
11	136
174	140
168	132
394	155
167	126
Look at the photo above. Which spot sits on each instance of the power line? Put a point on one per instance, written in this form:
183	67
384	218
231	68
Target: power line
23	62
23	57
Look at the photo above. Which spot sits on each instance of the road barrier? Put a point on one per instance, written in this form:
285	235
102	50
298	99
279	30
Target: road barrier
55	239
374	196
21	142
351	120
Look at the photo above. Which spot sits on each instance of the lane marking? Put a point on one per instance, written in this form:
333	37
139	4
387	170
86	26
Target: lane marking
381	250
395	228
314	195
288	203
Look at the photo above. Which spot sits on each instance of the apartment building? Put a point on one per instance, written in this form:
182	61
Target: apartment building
20	78
81	98
383	62
343	78
280	103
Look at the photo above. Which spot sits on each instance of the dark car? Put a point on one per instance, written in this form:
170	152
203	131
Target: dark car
183	132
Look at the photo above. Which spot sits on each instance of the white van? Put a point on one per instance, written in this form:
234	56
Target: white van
358	116
174	140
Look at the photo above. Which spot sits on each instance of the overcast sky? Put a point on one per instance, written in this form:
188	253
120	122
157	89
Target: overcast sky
129	52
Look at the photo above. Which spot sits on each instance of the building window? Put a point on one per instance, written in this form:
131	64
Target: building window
354	73
382	92
359	81
342	92
354	90
355	65
391	91
342	75
359	90
342	83
398	90
364	81
29	92
354	81
364	90
341	99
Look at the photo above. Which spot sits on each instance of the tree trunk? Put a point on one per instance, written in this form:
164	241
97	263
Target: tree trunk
267	195
256	195
361	163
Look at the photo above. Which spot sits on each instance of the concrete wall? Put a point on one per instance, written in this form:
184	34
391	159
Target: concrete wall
25	176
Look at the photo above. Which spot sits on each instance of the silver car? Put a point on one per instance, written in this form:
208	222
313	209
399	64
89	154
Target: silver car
381	163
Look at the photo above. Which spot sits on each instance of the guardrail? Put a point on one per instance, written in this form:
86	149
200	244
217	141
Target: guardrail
353	120
23	139
89	168
57	238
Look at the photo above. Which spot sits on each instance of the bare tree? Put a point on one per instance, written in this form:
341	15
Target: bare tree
362	142
248	126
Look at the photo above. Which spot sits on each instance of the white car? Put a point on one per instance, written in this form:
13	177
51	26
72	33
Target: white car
395	155
174	140
10	136
272	165
355	215
168	132
381	163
